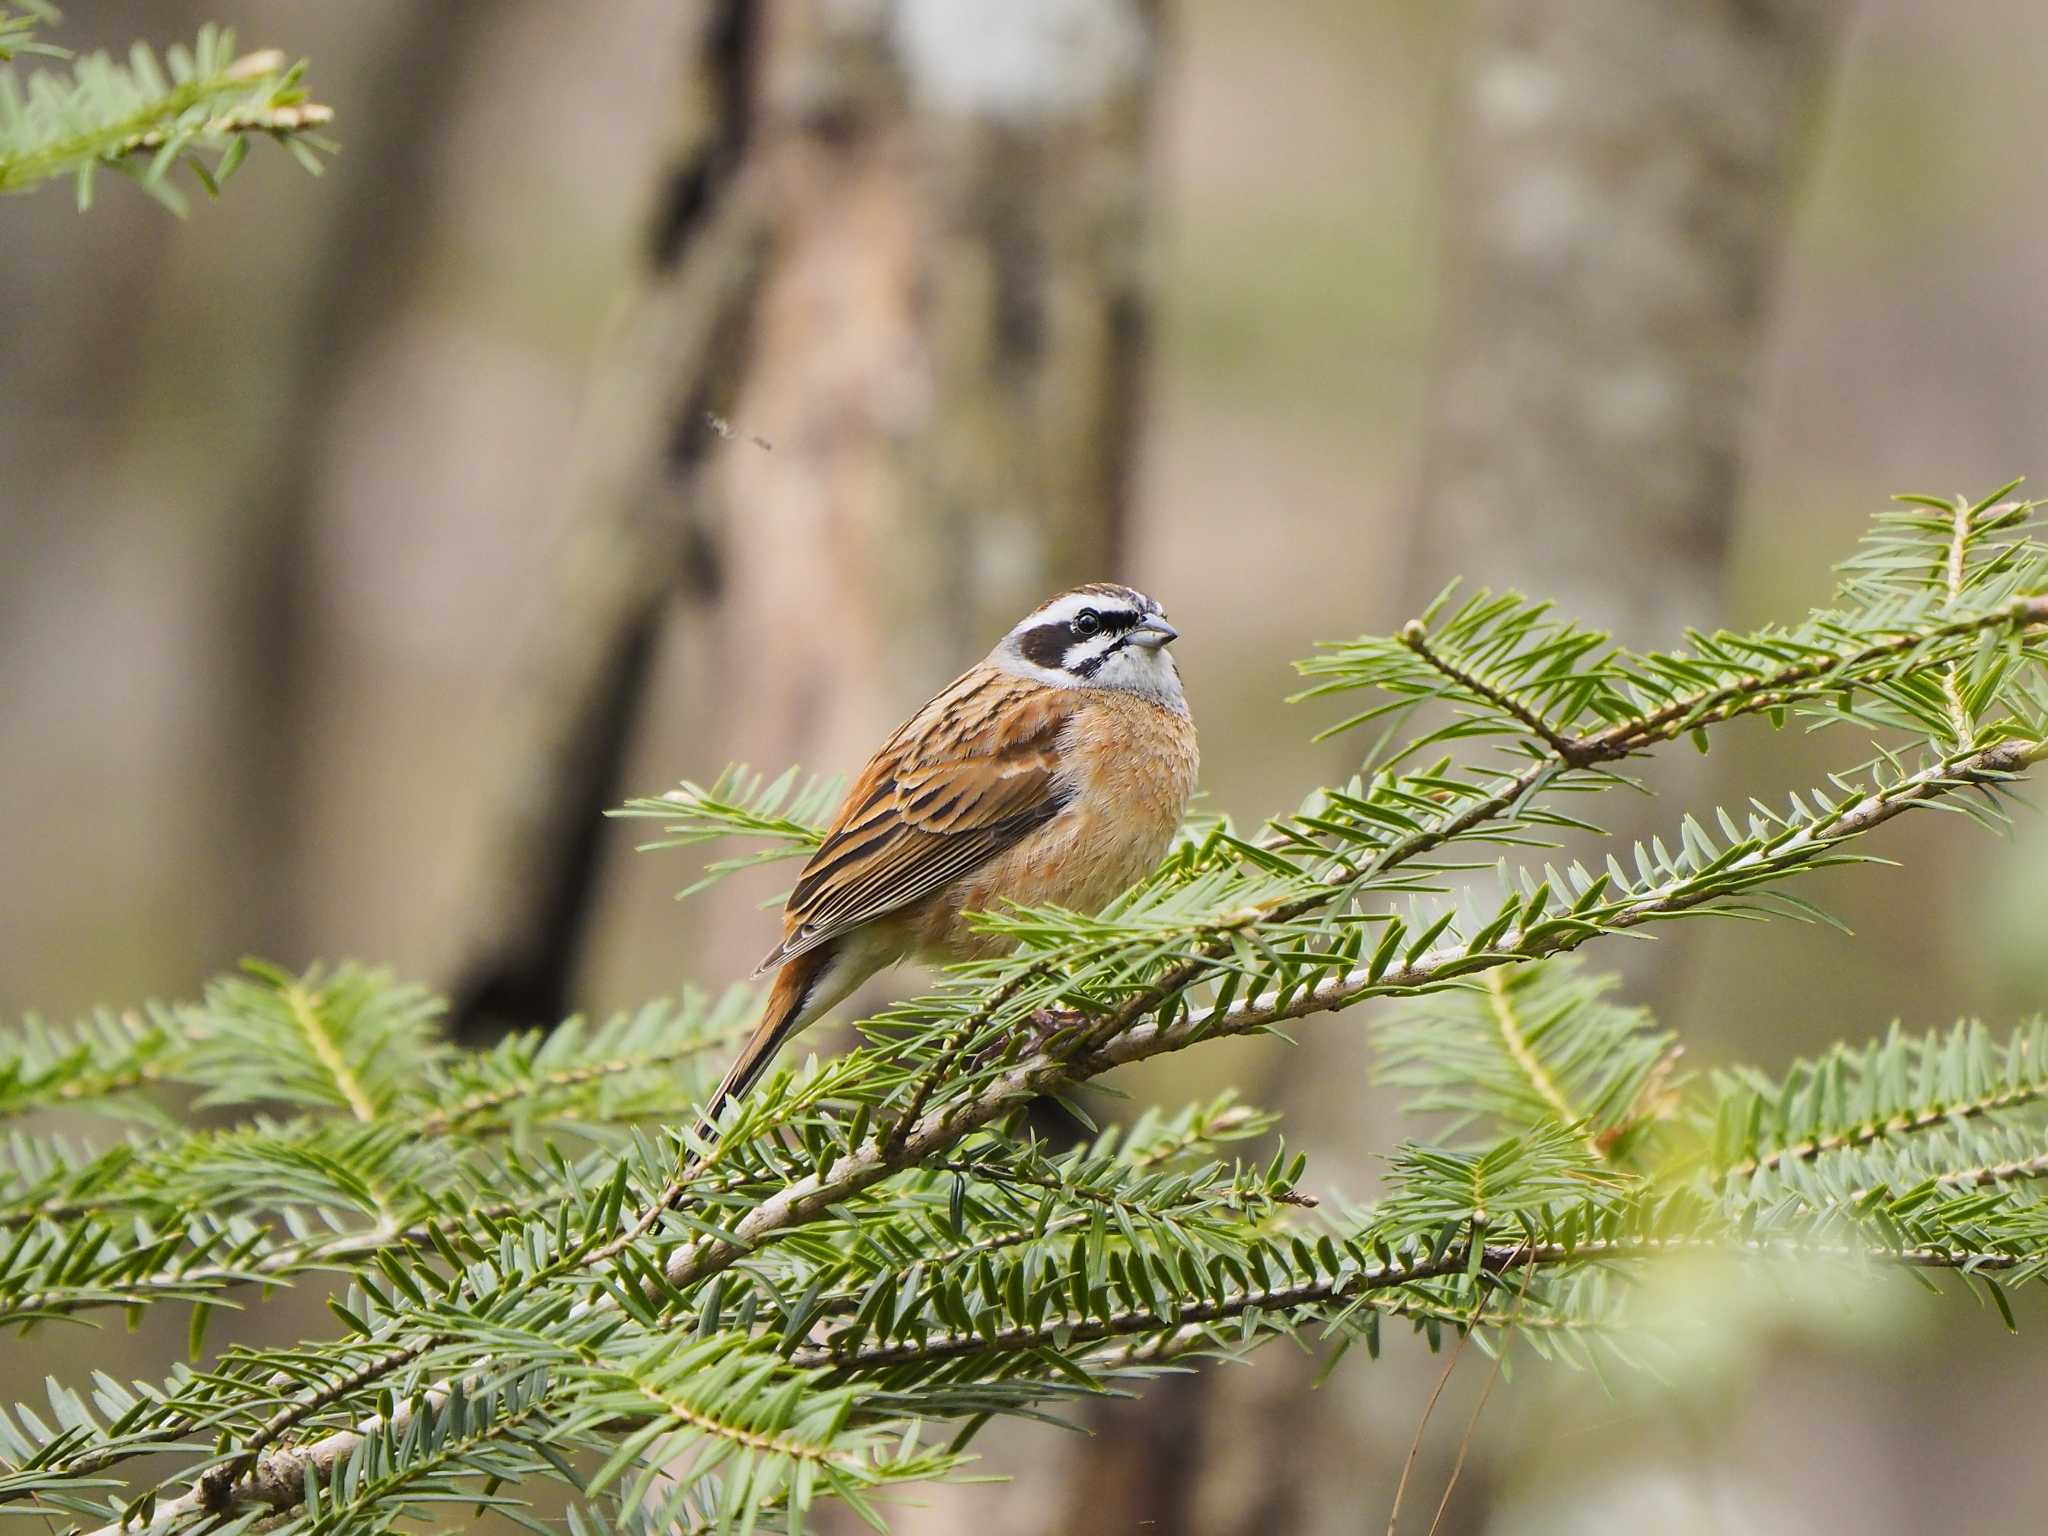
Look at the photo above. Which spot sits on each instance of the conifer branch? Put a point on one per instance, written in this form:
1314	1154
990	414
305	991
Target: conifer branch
1956	577
1992	765
150	115
278	1480
1572	752
327	1054
1044	1073
1798	681
1903	1124
1515	1038
806	1199
737	1330
1361	1281
483	1103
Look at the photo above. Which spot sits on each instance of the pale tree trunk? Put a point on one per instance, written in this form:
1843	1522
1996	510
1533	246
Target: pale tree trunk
933	425
875	397
1620	178
1618	198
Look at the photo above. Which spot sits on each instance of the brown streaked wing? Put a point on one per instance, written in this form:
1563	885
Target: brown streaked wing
964	778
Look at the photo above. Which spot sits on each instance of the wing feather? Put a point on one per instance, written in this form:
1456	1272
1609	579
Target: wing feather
965	778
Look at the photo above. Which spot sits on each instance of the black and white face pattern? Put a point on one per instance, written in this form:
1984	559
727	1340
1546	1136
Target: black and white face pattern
1098	636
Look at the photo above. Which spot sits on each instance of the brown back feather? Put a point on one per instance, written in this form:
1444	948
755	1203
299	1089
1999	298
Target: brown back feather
964	778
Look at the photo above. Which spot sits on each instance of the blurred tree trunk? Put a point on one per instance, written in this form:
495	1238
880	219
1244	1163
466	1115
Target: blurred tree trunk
1620	181
1622	175
333	302
223	562
626	542
876	395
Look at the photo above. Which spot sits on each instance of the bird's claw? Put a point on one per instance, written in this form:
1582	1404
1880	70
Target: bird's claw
1038	1030
1046	1025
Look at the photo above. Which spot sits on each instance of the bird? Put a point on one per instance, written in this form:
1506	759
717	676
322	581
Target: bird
1054	771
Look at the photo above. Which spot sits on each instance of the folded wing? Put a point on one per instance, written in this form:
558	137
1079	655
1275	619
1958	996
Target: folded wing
970	775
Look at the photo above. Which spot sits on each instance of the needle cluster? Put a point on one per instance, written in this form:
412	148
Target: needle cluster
197	107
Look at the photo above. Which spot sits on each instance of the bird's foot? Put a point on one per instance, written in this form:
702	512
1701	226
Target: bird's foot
1046	1025
1039	1030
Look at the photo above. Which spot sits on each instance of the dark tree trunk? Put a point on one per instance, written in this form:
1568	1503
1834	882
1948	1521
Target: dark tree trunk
625	546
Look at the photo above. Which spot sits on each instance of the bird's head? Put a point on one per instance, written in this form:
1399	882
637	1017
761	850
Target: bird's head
1098	636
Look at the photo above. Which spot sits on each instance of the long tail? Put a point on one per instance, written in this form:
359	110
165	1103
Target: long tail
796	998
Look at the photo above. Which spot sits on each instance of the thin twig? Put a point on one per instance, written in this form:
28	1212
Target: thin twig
1415	1445
1415	635
1485	1392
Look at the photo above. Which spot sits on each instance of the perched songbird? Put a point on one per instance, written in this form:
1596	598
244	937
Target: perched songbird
1055	770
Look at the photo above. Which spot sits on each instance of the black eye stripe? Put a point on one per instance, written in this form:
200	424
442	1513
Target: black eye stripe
1045	645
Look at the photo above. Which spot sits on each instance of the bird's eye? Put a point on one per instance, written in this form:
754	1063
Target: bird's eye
1087	622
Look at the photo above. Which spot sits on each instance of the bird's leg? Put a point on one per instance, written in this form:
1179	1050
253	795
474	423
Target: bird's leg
1046	1025
1038	1030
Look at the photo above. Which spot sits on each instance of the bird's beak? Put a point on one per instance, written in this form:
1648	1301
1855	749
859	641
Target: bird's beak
1154	632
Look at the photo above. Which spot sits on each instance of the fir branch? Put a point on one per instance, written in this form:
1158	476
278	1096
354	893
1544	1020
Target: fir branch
1042	1073
1357	1281
1800	680
321	1043
414	1468
278	1481
18	23
90	1063
788	819
1566	1053
1514	1037
1897	1125
1972	1093
1658	901
215	1488
485	1104
784	1303
1354	1281
1977	1177
1957	571
1574	753
1687	713
632	1057
151	115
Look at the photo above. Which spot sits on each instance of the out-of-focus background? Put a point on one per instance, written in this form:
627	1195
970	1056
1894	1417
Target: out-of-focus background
657	384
